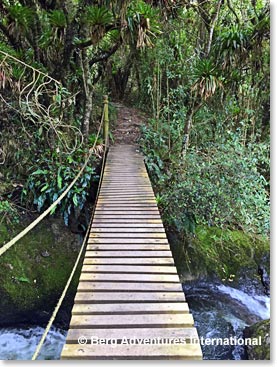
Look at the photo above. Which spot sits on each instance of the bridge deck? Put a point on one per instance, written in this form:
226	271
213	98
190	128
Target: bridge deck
129	288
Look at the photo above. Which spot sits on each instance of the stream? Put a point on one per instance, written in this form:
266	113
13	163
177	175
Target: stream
219	311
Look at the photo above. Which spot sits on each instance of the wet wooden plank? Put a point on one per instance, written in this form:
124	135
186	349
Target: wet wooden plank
187	351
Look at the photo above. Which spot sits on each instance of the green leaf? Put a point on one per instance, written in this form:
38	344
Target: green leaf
40	172
23	279
45	187
59	179
53	210
75	199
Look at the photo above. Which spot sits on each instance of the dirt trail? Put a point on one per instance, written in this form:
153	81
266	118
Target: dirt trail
126	130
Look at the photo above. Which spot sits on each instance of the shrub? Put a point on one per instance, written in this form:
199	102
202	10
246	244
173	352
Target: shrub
220	185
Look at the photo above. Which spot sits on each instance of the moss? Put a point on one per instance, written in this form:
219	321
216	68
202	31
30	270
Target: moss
221	251
262	351
4	234
34	272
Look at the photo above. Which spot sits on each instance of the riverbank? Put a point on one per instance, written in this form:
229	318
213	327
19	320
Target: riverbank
34	272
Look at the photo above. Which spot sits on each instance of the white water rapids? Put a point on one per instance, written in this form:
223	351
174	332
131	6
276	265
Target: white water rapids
218	310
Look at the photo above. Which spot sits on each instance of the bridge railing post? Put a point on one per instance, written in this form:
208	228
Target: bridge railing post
106	121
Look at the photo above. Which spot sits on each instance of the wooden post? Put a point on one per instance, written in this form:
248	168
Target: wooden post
106	121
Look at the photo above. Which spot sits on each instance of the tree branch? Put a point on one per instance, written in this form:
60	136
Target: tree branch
104	56
233	11
212	26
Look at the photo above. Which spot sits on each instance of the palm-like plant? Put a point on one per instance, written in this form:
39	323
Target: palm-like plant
206	78
143	23
97	19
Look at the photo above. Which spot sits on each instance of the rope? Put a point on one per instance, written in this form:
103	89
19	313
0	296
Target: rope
37	351
4	248
28	66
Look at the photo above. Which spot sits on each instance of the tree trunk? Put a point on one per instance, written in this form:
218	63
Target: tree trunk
187	130
188	126
212	26
88	89
122	76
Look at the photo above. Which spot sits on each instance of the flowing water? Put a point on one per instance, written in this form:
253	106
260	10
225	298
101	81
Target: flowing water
219	311
20	343
222	311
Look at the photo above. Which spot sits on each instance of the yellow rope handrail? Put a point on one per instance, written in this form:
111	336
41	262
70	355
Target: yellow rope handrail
56	310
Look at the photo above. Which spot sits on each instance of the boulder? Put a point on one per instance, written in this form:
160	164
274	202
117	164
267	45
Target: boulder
260	329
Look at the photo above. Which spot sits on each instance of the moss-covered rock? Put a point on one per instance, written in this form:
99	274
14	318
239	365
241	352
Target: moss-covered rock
262	330
221	252
34	272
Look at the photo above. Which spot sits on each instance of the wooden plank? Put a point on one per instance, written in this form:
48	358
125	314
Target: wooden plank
118	277
134	234
123	206
122	217
119	185
187	351
134	200
123	201
119	225
121	193
135	321
132	222
127	212
130	308
131	248
128	253
129	234
126	177
128	240
135	229
139	269
127	197
126	287
128	260
125	183
188	333
114	297
145	188
114	222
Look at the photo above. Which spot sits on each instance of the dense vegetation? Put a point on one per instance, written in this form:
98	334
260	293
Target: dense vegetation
199	68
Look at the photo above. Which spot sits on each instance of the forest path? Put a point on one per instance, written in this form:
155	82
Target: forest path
126	128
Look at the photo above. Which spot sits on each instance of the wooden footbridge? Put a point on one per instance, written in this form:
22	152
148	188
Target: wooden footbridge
129	303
